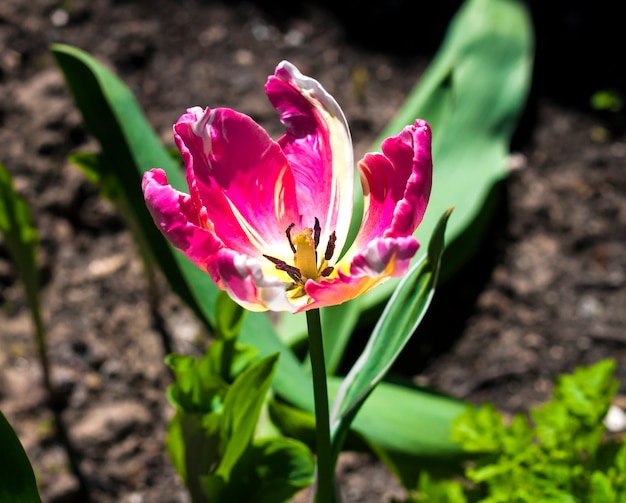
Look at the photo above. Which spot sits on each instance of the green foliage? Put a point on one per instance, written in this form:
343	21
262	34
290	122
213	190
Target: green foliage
559	456
21	240
439	491
16	226
608	100
211	437
17	480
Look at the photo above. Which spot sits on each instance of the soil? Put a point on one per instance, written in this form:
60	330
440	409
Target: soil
546	294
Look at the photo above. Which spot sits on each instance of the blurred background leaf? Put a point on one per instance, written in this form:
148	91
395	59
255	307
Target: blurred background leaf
17	480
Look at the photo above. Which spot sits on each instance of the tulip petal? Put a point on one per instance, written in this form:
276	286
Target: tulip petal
175	215
240	176
381	259
247	284
318	146
396	186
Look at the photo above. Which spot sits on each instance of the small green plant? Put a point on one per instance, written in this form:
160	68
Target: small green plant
560	455
608	100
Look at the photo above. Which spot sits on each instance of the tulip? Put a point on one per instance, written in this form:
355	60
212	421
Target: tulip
268	220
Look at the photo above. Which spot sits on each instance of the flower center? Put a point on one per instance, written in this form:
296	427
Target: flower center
305	260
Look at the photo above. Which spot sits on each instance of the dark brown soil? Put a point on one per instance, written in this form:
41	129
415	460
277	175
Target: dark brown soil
547	294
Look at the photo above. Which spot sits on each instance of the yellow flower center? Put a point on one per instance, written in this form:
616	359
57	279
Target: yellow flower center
305	263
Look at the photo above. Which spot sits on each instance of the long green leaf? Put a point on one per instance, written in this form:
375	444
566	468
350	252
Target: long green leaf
130	147
472	95
17	480
193	446
403	313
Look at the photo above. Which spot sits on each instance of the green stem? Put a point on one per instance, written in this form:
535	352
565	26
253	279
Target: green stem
42	347
325	492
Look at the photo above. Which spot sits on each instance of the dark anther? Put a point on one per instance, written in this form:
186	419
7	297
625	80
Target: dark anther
274	260
288	232
326	272
330	249
317	230
293	272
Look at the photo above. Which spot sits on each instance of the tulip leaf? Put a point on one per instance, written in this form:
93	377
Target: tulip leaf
472	94
17	480
405	310
130	147
210	438
192	444
198	387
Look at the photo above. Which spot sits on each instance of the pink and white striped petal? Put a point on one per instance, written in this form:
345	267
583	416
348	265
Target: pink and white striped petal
381	259
240	177
396	186
248	284
177	218
318	146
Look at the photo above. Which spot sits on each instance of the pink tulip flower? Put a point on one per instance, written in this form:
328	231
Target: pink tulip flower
268	220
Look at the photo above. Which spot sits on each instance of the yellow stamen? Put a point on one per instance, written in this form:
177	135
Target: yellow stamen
304	258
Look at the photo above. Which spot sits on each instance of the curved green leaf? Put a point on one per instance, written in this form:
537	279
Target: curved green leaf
17	480
130	147
228	317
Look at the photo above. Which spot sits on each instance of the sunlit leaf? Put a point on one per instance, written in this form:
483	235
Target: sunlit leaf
273	470
242	406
